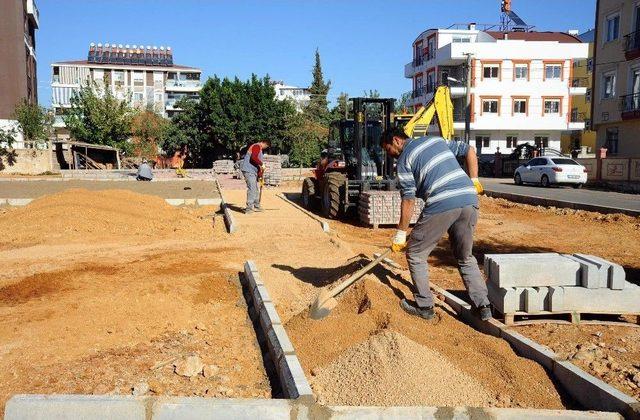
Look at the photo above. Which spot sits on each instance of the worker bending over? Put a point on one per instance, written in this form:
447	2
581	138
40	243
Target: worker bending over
428	169
253	170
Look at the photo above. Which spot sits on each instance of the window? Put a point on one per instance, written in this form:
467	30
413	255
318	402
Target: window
564	161
118	78
519	106
489	106
608	85
482	141
590	65
491	71
552	106
512	141
431	81
431	48
613	28
137	96
537	162
542	141
552	71
612	140
574	115
521	72
459	39
138	78
587	124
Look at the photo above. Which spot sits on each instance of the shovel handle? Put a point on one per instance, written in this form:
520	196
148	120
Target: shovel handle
364	270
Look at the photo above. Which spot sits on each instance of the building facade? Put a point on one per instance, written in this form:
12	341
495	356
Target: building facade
18	80
145	76
299	96
616	79
521	87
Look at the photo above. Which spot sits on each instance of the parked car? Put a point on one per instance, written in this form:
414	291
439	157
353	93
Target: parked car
548	170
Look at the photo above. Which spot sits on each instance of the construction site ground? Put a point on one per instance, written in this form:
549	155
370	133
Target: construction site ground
101	291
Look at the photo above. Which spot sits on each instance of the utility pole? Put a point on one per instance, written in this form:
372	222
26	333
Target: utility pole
467	117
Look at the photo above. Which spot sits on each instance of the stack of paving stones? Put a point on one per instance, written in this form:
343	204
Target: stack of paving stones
273	172
550	282
383	208
223	166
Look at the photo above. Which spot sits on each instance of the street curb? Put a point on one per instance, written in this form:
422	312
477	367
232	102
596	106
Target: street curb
323	224
16	202
229	220
549	202
292	378
588	390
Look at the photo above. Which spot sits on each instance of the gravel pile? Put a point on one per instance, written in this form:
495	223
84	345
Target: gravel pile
390	369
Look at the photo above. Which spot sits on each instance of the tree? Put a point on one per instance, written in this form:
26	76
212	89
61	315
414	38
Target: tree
96	116
343	108
401	103
7	138
305	139
148	130
34	122
373	93
317	109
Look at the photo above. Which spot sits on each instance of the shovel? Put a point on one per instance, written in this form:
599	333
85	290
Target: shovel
326	299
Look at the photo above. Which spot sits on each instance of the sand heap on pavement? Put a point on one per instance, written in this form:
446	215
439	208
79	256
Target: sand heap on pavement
390	369
99	215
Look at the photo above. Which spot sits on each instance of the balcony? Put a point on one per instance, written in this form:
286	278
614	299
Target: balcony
632	45
630	106
578	86
182	85
33	13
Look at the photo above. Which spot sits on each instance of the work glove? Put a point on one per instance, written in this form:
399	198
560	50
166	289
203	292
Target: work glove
399	241
478	185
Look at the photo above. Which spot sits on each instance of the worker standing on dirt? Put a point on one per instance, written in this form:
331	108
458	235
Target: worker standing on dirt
428	169
253	169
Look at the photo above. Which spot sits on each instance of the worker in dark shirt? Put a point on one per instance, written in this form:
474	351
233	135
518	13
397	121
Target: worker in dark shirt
253	169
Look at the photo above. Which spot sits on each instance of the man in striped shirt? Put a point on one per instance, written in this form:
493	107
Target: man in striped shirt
428	169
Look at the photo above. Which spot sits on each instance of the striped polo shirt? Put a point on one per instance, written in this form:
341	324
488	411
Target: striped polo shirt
428	169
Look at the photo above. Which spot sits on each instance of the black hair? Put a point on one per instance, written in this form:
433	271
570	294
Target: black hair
387	135
267	142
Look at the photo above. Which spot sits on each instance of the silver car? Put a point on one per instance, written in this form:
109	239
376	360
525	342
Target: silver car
548	170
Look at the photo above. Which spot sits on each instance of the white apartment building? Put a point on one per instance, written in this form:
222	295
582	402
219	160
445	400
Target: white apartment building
521	86
300	96
145	75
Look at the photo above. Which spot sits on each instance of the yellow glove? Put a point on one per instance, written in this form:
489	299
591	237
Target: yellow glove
399	241
478	185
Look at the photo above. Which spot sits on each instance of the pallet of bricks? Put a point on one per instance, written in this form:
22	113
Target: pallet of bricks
223	166
539	287
383	208
273	172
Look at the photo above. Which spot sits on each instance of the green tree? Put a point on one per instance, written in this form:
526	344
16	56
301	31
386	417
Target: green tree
317	109
305	139
148	130
342	109
372	93
34	122
401	103
7	154
96	116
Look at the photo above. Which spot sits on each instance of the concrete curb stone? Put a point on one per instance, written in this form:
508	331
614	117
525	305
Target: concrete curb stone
174	201
19	201
46	407
323	224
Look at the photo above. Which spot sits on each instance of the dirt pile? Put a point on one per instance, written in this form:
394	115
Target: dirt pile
390	369
99	215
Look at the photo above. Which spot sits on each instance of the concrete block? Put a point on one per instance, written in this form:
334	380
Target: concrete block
556	299
615	273
278	343
251	272
529	348
603	268
220	409
63	407
190	201
19	201
292	377
534	271
3	201
174	201
591	392
229	220
589	272
268	315
209	201
260	295
250	266
580	299
506	300
534	299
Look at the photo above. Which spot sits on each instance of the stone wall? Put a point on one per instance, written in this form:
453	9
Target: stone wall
26	161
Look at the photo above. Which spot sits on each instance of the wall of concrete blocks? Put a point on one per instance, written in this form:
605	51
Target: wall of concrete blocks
537	282
292	378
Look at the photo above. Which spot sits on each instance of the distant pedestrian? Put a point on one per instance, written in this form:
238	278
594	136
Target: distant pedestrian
144	172
253	170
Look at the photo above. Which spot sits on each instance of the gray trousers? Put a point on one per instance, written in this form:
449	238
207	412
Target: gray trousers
460	223
253	194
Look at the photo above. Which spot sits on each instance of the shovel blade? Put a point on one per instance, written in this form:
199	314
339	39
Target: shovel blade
322	305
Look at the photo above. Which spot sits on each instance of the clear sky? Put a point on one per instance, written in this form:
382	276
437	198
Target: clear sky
363	44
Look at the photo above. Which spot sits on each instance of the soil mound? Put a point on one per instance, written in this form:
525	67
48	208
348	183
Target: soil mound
88	215
390	369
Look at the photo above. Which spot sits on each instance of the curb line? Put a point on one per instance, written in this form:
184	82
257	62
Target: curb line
323	224
229	220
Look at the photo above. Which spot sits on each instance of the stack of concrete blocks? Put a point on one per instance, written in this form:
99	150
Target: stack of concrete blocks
383	208
273	172
223	166
532	283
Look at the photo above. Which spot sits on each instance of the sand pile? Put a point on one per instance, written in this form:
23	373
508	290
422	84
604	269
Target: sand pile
390	369
90	215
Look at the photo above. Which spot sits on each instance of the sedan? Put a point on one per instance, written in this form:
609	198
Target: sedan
547	170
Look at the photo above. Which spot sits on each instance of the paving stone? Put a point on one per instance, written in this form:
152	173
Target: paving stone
589	272
220	409
556	298
53	407
615	274
581	299
538	271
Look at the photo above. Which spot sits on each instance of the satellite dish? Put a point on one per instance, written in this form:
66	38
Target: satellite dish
148	47
99	44
155	48
161	48
106	45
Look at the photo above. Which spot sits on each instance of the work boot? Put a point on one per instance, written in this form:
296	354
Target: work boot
257	208
484	312
412	309
248	210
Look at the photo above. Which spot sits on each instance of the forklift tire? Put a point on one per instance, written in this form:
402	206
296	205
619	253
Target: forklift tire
332	194
309	200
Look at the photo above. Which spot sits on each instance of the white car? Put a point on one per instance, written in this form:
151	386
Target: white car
547	170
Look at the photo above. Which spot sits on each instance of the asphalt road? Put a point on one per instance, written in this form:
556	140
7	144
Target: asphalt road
585	199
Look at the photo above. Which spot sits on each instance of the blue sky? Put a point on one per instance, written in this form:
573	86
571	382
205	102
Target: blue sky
363	44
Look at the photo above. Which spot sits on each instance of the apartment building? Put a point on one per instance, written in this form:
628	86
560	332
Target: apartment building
299	96
521	87
18	25
616	79
146	76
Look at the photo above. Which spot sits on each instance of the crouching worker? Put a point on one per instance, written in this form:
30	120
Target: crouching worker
253	169
144	172
428	169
